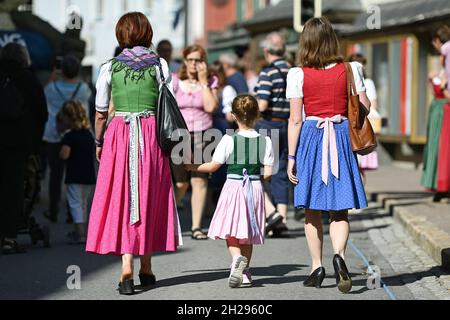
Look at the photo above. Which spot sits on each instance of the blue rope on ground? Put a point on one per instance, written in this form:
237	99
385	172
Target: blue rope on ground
366	262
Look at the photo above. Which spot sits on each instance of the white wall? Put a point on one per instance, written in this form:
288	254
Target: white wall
196	20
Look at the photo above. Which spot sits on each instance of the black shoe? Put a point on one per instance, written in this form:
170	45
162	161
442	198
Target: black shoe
315	279
10	247
38	233
50	218
273	221
439	196
281	231
147	280
126	287
343	279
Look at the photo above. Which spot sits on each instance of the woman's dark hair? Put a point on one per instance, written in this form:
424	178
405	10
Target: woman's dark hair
217	70
133	30
442	33
358	57
17	53
70	67
245	109
319	44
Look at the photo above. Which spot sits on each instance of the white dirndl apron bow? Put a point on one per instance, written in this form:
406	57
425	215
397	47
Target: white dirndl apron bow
136	146
248	187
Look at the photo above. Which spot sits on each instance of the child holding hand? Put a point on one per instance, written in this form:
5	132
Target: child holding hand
240	214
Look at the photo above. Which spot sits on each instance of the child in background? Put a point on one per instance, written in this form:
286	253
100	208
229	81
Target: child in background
240	215
78	150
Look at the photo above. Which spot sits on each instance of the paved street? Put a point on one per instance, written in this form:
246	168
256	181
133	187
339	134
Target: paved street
199	270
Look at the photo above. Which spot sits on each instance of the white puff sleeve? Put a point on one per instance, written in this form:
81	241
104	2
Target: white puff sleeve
103	87
167	74
295	80
269	158
224	150
228	96
358	73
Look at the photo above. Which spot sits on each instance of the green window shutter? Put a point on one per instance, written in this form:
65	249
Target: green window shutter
240	13
255	6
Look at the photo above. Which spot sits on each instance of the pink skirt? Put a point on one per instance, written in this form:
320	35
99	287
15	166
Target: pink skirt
231	219
110	231
369	162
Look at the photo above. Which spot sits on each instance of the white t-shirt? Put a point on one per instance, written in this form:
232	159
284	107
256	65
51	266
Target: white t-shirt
103	85
296	77
228	96
371	90
226	147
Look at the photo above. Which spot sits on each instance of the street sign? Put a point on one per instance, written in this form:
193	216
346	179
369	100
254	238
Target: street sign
298	23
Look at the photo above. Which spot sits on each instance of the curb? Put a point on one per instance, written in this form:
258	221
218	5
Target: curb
427	235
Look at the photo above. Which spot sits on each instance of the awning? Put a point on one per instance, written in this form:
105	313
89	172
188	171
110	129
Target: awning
402	14
282	14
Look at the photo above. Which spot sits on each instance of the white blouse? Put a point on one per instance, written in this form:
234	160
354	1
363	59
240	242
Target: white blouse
228	96
296	76
226	147
103	85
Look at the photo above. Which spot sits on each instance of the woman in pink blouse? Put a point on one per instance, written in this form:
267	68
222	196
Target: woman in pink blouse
196	93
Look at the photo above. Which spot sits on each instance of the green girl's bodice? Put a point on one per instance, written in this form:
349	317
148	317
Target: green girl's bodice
134	94
248	154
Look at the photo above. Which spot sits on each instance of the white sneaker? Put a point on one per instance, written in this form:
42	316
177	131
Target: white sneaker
237	269
246	278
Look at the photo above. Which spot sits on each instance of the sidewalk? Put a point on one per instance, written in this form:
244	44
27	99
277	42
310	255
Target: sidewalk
398	190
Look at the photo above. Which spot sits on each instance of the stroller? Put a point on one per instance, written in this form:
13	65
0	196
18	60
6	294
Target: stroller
32	188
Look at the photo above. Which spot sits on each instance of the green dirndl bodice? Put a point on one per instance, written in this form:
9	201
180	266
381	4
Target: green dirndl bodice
134	91
248	154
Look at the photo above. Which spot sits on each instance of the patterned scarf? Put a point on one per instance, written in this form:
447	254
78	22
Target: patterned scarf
136	62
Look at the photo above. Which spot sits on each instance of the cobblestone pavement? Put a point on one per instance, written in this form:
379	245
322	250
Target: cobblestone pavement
413	267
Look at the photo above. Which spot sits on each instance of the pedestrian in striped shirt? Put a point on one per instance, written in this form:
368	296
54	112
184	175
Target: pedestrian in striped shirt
274	107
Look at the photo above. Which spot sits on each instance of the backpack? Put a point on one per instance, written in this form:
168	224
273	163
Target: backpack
12	102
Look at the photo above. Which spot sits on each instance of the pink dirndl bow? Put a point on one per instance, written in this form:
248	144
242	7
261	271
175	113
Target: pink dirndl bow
329	145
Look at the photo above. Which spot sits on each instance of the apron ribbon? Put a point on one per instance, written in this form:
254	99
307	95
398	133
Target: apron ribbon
329	145
136	147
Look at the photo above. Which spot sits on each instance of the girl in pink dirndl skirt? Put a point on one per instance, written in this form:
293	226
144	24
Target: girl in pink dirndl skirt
240	214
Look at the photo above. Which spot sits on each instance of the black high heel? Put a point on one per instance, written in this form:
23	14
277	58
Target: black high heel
316	278
343	279
147	280
126	287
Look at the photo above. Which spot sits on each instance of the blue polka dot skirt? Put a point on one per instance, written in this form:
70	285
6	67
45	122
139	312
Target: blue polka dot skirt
343	193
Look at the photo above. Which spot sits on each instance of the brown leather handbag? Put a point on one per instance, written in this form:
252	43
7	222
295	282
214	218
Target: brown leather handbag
362	135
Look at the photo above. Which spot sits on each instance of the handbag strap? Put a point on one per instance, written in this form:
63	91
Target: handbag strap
161	73
351	86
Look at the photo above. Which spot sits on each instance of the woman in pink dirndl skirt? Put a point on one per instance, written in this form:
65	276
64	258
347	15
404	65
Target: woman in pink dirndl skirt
134	211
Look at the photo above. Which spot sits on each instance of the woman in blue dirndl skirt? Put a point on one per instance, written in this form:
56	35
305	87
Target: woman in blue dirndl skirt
322	164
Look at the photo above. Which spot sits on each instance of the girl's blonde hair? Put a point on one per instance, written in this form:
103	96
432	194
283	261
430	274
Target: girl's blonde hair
245	109
319	44
74	115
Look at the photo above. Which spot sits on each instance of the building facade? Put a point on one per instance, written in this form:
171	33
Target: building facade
100	17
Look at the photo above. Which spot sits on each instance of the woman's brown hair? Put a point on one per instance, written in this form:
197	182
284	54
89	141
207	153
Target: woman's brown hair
442	33
319	44
245	109
182	74
134	29
74	116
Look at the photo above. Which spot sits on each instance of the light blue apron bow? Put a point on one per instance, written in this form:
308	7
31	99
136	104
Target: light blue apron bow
247	184
136	145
